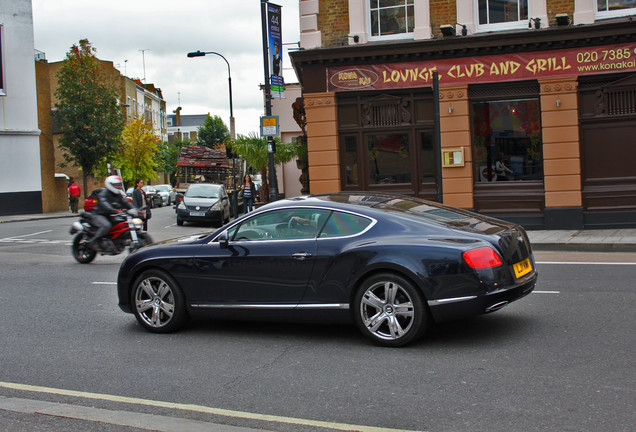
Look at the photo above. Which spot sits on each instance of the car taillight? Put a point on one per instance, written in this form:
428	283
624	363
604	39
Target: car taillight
482	258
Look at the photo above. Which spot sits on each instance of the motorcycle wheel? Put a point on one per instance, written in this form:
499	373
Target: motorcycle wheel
144	240
83	253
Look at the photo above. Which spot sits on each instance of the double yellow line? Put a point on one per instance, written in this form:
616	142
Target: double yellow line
197	408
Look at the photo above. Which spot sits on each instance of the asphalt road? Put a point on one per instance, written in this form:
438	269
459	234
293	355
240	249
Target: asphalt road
561	359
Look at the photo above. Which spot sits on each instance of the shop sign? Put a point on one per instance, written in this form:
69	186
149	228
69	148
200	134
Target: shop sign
493	68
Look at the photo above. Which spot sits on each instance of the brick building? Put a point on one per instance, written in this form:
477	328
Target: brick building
136	99
534	118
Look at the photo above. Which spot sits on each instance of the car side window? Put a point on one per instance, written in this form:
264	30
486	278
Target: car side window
344	224
283	224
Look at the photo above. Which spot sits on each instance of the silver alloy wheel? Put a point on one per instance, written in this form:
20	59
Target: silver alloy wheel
155	301
387	310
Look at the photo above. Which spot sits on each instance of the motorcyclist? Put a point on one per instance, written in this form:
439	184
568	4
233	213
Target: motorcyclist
110	200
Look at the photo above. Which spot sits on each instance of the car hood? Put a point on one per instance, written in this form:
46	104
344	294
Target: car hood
182	240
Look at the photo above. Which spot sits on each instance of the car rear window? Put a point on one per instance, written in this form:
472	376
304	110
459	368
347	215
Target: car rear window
202	191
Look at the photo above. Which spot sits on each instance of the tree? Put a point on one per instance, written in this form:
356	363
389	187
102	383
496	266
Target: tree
253	149
168	156
91	121
212	131
136	155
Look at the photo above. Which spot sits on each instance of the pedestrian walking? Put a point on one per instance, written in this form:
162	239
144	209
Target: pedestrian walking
248	193
73	195
140	199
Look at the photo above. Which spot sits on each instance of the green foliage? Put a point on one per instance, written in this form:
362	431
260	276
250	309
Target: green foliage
253	149
91	121
212	132
168	155
136	155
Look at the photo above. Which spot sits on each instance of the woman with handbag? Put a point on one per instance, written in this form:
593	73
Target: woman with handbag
140	199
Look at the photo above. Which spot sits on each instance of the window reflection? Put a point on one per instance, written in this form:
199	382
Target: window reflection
507	140
389	159
501	11
391	17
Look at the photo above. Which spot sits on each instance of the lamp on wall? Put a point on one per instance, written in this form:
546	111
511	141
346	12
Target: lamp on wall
449	30
537	23
563	19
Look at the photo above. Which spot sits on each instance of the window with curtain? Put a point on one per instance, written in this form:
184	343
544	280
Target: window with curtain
502	11
391	17
612	8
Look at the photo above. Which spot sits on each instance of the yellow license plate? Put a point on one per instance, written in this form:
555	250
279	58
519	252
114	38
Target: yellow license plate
522	267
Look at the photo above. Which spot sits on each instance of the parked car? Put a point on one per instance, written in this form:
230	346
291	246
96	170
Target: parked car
167	192
204	202
154	198
388	263
91	201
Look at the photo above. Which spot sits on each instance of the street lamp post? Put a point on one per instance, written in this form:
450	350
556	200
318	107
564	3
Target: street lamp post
229	82
232	129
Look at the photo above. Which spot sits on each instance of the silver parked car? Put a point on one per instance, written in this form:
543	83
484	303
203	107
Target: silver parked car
167	192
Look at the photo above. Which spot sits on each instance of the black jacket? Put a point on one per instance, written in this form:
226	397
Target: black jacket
138	198
109	202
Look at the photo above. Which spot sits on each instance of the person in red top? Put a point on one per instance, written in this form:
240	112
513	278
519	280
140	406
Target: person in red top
73	193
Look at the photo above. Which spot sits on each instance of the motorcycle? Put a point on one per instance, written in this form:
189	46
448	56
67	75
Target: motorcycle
126	232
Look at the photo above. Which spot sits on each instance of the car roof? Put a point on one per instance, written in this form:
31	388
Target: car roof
378	204
205	185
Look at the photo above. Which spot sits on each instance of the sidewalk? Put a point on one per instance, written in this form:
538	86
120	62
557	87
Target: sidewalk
602	240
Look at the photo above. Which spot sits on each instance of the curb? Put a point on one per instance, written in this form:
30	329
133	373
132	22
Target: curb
584	247
38	217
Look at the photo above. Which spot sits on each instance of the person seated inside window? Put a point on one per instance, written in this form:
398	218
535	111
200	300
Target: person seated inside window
502	171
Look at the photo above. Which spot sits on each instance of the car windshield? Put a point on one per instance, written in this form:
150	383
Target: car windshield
203	191
163	188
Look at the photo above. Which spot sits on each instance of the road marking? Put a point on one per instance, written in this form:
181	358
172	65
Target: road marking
33	241
547	292
199	408
120	418
585	263
29	235
104	283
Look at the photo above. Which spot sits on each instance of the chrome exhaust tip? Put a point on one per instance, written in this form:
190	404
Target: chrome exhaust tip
496	306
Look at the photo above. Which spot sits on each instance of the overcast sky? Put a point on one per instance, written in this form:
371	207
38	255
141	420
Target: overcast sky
167	31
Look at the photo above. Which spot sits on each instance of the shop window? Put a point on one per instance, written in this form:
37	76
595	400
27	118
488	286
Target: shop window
502	13
2	89
427	157
507	140
615	8
388	159
391	17
351	161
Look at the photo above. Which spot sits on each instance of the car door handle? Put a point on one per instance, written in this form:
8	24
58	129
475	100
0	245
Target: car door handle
301	255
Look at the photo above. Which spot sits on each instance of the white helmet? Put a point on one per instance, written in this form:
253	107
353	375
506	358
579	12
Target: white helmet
114	184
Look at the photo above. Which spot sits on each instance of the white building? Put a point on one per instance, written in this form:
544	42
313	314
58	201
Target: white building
20	177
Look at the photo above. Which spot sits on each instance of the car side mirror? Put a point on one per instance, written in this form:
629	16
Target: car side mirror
224	240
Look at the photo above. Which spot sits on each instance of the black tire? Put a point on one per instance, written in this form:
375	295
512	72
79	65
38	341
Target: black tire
145	239
179	222
82	252
389	310
158	302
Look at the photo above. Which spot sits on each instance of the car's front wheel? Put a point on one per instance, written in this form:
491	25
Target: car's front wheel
390	310
159	303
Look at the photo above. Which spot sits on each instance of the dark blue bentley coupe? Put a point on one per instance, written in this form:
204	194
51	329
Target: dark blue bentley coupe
391	264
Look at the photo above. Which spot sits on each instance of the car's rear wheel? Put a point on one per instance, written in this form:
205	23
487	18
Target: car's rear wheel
390	310
158	302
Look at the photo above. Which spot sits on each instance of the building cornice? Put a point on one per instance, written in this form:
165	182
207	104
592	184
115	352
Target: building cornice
606	33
